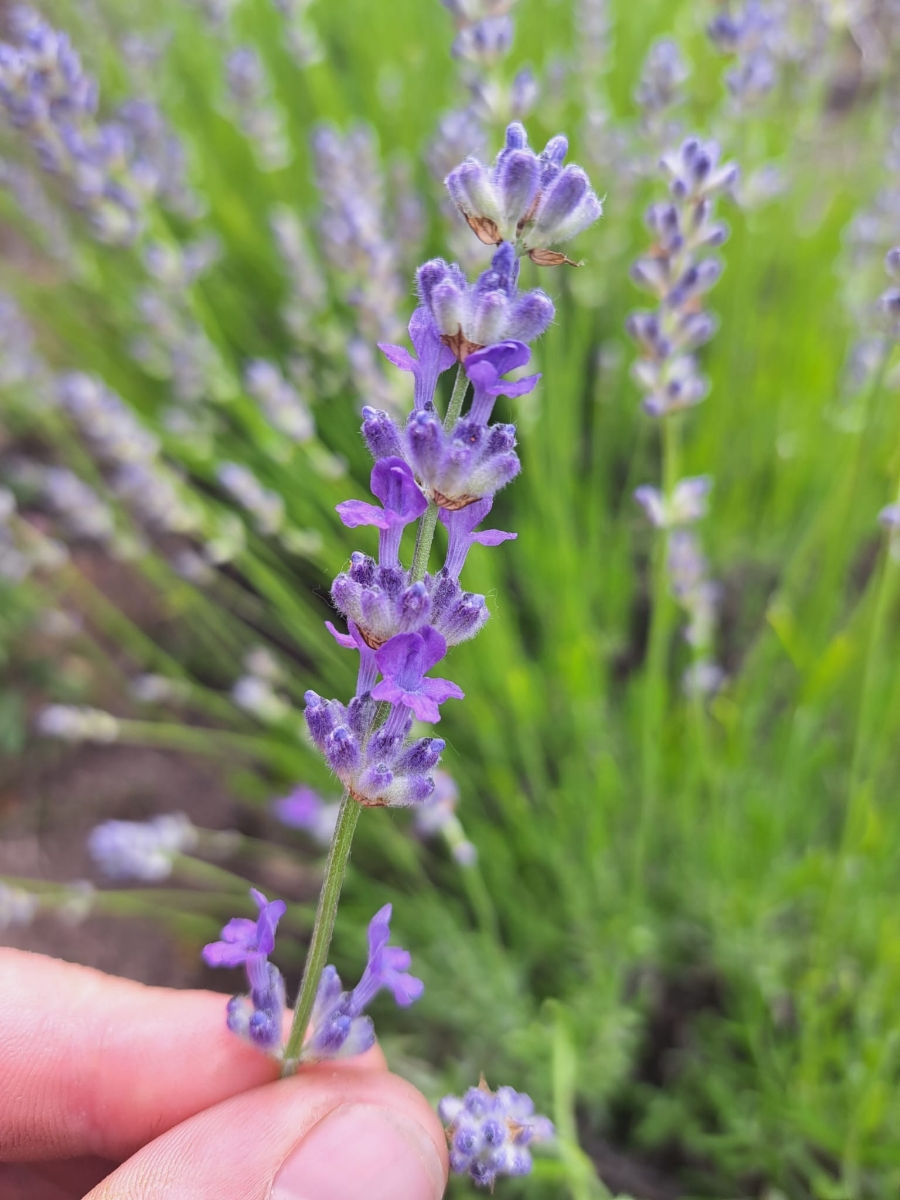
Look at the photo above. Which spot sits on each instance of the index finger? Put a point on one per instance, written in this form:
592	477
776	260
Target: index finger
94	1065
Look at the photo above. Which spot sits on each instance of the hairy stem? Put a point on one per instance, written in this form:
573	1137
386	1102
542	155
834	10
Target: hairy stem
323	927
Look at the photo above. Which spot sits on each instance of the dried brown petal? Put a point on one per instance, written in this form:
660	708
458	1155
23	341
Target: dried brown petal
485	230
460	345
551	258
453	503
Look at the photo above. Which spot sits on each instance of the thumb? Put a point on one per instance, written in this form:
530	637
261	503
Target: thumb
324	1134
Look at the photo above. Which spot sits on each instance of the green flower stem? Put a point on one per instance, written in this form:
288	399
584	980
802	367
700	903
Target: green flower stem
867	717
655	686
424	538
428	523
480	899
323	927
457	396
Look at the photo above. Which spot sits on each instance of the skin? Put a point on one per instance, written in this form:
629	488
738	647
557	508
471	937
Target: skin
114	1089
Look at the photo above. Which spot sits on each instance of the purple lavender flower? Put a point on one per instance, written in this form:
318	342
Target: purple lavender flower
490	1133
687	503
469	317
527	199
404	662
393	483
751	36
485	42
143	850
439	809
377	766
485	369
356	227
261	122
662	77
462	534
696	172
468	463
243	939
433	357
305	809
387	966
437	815
47	94
889	520
338	1027
279	400
265	506
256	1017
697	594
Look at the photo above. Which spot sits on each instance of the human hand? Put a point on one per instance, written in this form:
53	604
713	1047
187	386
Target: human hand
98	1071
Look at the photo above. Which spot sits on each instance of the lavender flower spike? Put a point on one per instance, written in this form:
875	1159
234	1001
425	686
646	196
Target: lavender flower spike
404	661
338	1027
141	849
393	483
490	1133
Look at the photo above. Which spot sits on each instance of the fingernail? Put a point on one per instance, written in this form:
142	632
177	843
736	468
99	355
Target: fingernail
362	1151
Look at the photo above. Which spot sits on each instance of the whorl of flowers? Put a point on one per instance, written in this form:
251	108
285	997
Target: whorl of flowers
491	1133
530	200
